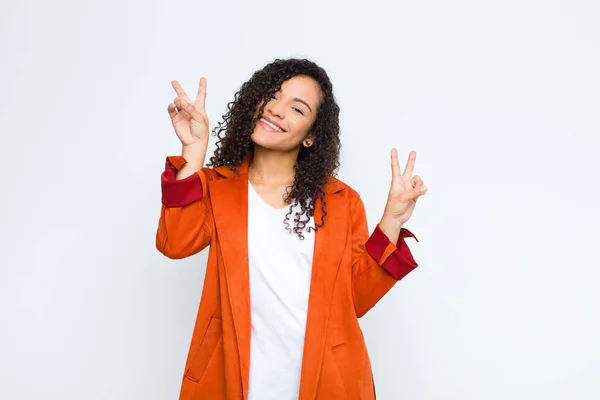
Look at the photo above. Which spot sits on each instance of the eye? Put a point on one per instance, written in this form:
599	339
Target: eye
298	110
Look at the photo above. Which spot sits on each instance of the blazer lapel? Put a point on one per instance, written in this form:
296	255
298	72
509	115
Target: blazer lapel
330	240
229	199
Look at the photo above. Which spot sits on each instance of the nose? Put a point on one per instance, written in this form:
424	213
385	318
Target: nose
276	108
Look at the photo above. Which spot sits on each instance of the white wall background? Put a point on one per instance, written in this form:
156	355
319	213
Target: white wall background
499	98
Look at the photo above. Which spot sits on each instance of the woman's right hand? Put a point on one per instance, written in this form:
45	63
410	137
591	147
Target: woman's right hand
189	118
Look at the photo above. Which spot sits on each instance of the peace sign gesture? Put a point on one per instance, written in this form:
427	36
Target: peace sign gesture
405	189
189	118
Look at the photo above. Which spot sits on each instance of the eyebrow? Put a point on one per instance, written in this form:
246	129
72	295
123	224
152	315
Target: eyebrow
303	102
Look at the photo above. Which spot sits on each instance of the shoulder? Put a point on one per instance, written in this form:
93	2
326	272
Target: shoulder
210	173
337	186
222	172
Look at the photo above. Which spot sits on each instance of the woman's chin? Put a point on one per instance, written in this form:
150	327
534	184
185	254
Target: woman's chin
260	139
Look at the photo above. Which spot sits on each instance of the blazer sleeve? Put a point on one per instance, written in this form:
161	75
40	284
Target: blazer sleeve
377	262
186	220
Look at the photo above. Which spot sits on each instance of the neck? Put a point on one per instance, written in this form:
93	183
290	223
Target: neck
271	167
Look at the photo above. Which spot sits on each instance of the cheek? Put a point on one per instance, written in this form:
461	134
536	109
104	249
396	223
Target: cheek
300	127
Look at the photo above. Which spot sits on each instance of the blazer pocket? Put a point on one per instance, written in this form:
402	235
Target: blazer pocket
340	355
206	350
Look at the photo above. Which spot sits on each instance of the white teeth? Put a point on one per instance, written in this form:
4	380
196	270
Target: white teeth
278	129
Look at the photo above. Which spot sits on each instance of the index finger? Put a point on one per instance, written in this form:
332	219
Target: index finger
395	165
201	97
180	92
410	164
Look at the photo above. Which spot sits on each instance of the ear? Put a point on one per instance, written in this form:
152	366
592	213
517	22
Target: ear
308	141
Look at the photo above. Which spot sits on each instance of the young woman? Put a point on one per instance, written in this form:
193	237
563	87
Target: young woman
291	265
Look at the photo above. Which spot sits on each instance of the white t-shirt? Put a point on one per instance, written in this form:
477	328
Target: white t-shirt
280	269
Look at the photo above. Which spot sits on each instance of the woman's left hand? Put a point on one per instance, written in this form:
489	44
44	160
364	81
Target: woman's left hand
404	192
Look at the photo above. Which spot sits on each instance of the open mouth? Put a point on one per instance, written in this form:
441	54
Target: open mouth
270	126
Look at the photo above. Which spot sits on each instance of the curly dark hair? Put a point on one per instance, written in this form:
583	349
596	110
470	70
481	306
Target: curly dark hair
314	164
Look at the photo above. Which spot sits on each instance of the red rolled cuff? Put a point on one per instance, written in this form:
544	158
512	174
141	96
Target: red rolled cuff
400	262
179	193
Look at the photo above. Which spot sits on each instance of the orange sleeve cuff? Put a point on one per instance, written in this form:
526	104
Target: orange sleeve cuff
175	162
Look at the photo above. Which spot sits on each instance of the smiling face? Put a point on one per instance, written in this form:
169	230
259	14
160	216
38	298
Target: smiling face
288	117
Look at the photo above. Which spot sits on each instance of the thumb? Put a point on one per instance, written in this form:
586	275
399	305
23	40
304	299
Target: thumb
418	191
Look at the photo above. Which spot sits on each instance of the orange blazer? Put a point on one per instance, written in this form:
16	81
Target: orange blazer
351	271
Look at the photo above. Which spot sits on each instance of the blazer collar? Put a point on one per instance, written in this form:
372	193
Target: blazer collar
333	184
